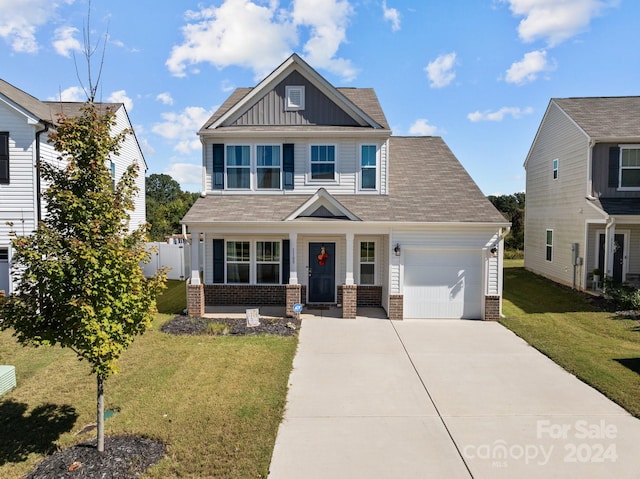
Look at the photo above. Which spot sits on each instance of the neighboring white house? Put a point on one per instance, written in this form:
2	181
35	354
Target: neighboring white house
308	198
583	191
25	125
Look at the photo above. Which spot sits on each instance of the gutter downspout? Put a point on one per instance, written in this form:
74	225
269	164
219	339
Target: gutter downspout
611	222
501	263
38	182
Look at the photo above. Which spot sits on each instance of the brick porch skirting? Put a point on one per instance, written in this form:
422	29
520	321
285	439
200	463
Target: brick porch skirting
370	296
491	308
245	295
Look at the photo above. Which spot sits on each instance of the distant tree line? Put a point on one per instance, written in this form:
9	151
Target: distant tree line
512	208
166	205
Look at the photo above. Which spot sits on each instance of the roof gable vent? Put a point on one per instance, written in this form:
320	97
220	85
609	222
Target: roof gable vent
295	98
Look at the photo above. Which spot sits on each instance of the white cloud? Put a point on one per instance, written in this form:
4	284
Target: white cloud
73	93
328	21
239	32
120	96
555	20
20	20
258	35
528	69
165	97
64	41
498	115
182	127
421	127
440	71
189	175
392	15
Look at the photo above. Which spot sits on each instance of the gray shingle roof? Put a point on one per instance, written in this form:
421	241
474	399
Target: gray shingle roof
620	206
426	184
47	111
604	117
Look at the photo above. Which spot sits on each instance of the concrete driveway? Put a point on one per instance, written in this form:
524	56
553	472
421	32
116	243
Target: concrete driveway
370	398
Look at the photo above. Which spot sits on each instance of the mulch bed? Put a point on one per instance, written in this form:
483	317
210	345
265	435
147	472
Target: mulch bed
124	457
230	326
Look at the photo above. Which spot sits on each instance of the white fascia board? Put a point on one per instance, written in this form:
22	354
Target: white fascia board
284	133
31	118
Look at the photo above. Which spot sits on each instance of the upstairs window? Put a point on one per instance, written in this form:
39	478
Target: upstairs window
549	245
294	98
555	169
238	261
4	158
630	167
268	166
367	262
323	162
368	170
238	167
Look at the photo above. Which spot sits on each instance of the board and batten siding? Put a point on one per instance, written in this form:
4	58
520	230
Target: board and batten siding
270	109
347	165
556	204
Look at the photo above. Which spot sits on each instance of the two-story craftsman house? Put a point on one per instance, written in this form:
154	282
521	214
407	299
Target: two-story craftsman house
309	199
583	191
25	125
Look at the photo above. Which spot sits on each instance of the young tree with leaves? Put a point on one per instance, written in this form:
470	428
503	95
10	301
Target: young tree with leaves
81	285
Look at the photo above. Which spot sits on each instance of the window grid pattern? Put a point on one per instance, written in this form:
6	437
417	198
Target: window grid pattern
239	166
323	162
368	167
549	245
268	262
367	262
268	166
630	167
238	261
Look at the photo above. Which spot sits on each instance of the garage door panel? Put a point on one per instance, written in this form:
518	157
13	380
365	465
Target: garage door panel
442	284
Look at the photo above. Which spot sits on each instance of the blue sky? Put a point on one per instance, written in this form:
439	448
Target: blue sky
479	73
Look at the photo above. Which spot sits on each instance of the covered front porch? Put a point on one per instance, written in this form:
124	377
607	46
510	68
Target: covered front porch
316	266
613	251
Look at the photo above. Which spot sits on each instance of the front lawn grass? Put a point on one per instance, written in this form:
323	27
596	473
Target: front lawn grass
215	401
598	347
173	300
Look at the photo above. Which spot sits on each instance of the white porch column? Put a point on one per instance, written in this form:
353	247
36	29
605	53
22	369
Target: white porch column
195	257
293	267
609	240
349	263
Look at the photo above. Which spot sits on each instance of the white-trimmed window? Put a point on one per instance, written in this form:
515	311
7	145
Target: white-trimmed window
294	97
555	169
368	167
268	262
630	166
549	245
367	262
323	162
238	262
238	160
268	166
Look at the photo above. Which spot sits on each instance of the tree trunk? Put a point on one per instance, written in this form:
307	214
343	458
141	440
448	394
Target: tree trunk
100	421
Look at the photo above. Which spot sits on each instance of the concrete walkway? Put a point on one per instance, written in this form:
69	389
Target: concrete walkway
375	399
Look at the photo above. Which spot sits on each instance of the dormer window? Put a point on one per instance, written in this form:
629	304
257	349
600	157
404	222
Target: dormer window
294	98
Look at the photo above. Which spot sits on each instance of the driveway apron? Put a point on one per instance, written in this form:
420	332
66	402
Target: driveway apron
370	398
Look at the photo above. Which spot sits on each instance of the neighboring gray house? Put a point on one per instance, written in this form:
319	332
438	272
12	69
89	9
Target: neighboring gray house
25	125
308	198
583	191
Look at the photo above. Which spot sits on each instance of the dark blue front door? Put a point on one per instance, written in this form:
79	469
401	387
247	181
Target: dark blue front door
322	272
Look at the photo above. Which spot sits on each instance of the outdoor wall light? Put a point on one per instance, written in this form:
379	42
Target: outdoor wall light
494	251
396	250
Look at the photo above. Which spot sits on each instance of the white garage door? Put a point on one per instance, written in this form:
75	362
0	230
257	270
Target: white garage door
443	284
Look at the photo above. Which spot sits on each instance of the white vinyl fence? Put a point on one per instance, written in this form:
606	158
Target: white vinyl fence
175	257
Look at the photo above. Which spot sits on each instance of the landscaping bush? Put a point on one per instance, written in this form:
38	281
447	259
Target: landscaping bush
624	296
